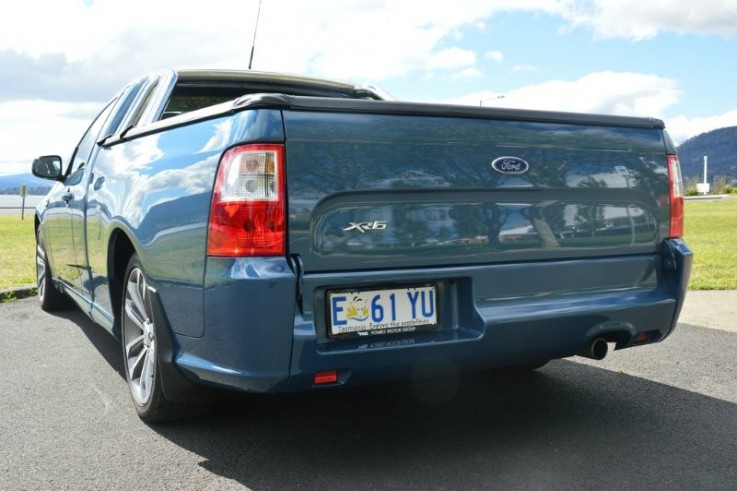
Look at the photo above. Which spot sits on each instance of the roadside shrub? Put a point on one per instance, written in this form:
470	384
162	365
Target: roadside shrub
721	186
691	191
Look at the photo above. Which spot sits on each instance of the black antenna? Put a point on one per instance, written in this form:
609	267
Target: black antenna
255	30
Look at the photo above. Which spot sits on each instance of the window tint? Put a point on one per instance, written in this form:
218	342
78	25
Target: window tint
190	96
86	144
186	99
127	99
144	103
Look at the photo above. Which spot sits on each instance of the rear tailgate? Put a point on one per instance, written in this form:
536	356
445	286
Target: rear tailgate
384	186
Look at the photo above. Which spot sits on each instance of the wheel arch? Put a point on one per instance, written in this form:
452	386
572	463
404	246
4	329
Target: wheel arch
175	385
120	251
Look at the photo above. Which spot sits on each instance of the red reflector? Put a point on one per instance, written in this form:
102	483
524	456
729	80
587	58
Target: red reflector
641	338
328	377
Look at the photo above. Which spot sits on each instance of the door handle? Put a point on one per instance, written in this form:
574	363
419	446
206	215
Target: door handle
67	197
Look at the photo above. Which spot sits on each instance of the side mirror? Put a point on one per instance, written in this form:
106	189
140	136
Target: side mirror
47	167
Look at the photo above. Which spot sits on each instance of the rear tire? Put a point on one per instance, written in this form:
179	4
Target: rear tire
141	354
49	297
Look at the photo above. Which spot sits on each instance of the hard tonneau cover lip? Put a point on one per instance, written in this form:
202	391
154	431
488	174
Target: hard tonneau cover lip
302	103
329	104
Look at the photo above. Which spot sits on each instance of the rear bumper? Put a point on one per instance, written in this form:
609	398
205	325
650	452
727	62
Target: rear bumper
257	339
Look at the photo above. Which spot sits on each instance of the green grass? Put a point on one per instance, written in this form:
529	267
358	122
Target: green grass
711	232
18	252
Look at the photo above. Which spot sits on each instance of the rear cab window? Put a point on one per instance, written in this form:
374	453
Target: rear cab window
190	94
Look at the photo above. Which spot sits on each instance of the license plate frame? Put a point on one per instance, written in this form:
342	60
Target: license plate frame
354	312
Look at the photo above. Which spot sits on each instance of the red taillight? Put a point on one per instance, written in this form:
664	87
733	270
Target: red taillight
247	216
676	197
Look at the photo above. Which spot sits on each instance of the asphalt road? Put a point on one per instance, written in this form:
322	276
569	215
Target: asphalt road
656	417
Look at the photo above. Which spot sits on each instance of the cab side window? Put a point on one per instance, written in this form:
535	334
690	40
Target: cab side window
86	144
127	98
150	91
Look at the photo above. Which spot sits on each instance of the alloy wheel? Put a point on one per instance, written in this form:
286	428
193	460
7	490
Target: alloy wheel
139	338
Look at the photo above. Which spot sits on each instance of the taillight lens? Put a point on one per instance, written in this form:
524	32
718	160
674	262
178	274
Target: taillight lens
247	216
676	197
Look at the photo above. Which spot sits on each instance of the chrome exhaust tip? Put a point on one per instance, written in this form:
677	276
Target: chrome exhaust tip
596	350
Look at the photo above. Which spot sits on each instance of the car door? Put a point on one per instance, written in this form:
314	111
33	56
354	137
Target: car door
56	228
65	214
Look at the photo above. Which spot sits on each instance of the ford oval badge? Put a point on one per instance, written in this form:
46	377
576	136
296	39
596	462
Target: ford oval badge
510	165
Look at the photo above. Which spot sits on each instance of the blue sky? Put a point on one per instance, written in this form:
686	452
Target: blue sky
671	59
537	48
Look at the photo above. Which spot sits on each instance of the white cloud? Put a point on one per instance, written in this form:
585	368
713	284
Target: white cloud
496	56
630	94
9	168
524	68
33	128
467	74
681	128
625	93
451	58
639	20
363	39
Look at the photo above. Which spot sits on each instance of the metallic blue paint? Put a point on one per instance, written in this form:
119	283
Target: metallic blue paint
592	191
156	190
249	311
491	316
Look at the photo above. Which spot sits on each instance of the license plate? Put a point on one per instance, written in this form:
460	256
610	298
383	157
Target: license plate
386	311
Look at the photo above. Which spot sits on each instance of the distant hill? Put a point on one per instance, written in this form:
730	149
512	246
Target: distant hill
12	184
719	145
